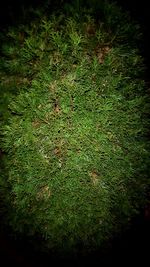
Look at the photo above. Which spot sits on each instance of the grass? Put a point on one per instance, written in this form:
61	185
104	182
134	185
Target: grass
74	126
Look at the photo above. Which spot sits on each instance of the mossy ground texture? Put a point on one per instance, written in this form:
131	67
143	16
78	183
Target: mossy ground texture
75	126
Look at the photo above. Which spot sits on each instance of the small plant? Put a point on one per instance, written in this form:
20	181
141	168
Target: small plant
74	127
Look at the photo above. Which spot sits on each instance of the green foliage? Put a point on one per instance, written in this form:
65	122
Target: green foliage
74	127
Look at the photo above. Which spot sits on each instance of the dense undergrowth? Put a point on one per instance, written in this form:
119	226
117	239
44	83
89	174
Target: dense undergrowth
74	125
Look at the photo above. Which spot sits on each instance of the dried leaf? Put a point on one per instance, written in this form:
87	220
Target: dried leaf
101	53
36	123
44	193
57	109
94	177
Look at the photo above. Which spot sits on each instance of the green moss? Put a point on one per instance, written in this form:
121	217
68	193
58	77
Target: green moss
74	133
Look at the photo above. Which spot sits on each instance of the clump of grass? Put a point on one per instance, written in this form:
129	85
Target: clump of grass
74	128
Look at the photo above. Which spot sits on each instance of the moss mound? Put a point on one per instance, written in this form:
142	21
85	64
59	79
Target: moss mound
74	130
